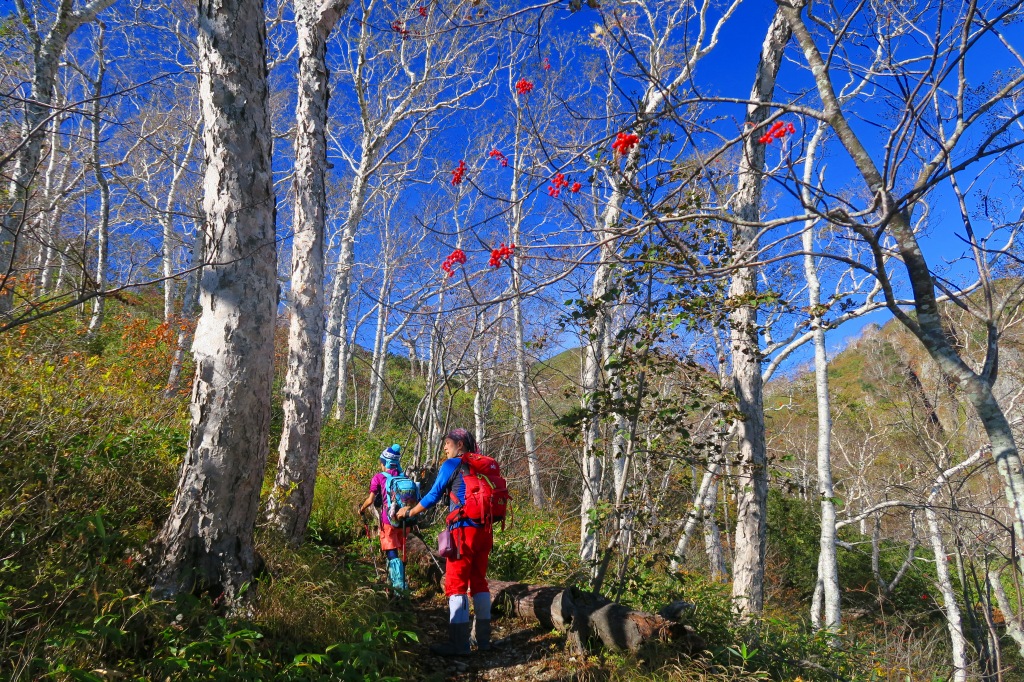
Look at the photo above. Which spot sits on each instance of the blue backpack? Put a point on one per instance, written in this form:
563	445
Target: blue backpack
399	491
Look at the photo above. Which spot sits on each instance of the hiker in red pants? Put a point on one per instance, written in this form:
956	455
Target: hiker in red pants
477	496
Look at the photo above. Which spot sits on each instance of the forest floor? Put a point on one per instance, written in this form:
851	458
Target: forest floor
522	651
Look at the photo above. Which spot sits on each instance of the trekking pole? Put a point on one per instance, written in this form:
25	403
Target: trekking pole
416	532
366	526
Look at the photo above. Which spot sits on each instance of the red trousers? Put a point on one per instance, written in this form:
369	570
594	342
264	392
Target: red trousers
468	573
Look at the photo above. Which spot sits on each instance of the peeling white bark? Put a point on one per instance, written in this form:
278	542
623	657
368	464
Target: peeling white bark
752	477
206	543
103	227
954	619
828	568
291	500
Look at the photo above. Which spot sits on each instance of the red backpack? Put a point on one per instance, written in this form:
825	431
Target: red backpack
486	491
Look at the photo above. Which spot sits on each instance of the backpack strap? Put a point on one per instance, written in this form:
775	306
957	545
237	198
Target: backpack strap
450	486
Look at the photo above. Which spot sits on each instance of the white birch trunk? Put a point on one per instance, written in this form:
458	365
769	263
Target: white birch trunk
954	619
103	228
521	362
592	383
378	363
207	542
189	309
47	51
828	568
1013	626
752	477
168	230
480	402
50	219
708	482
713	536
335	386
291	501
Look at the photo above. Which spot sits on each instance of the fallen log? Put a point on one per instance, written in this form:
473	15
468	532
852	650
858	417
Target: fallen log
591	619
552	607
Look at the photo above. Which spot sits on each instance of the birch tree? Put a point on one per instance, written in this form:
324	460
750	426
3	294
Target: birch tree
103	227
427	65
752	478
206	543
48	44
886	222
291	500
668	73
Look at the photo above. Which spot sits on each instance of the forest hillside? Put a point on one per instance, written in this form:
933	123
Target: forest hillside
93	448
582	264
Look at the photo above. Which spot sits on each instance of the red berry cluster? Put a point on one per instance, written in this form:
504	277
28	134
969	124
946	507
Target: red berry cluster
524	86
495	154
547	63
624	142
778	131
501	254
459	173
401	30
456	256
423	11
560	182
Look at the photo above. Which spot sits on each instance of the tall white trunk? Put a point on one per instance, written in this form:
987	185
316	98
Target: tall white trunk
189	309
926	324
46	53
593	381
52	211
103	227
713	536
291	501
708	483
335	386
378	364
481	404
168	230
1013	625
207	542
954	620
521	362
752	477
828	568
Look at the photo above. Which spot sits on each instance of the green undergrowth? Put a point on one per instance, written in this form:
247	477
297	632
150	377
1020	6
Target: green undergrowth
90	453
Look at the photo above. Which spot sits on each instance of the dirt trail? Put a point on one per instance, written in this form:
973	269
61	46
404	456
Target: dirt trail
523	652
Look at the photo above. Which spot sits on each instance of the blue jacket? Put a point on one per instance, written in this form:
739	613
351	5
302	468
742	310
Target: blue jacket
449	470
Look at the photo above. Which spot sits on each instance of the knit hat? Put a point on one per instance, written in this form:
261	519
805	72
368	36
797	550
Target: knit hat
392	457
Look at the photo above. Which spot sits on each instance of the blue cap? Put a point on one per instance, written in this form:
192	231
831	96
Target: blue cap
392	457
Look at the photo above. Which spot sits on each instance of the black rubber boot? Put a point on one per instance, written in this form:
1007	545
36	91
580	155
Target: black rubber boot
457	644
482	635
